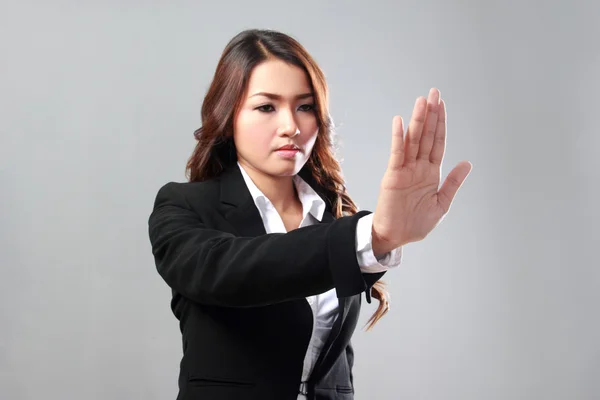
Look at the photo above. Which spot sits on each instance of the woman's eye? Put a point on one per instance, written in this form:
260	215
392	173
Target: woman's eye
307	107
265	108
270	108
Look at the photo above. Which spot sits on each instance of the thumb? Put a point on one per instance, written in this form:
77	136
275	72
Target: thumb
453	182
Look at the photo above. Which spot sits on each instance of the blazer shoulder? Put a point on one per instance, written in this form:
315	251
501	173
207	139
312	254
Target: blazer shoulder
187	193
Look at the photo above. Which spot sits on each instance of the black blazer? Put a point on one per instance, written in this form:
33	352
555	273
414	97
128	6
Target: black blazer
240	294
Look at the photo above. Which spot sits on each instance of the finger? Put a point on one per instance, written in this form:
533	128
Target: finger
415	127
453	182
397	152
431	120
439	142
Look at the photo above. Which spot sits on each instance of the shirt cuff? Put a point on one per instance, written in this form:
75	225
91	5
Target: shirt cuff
364	249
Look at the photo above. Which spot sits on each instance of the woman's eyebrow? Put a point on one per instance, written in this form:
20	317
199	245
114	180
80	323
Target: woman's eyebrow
279	97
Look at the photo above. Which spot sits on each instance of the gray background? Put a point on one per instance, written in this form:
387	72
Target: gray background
98	102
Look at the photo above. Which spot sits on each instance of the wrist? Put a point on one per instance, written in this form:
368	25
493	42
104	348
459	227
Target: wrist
380	246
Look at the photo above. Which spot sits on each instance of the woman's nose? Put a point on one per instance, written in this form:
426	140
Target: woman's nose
288	126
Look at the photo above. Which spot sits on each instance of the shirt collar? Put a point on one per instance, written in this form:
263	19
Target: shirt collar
312	203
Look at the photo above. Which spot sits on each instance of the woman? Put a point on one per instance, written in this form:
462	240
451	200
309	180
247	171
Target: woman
264	250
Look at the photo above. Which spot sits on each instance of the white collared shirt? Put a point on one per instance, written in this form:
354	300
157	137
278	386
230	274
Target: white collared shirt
324	306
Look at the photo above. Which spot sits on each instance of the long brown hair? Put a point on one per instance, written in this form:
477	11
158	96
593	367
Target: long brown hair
215	150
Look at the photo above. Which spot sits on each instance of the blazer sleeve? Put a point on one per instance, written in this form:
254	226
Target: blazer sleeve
212	267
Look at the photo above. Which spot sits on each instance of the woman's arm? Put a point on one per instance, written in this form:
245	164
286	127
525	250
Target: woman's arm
214	267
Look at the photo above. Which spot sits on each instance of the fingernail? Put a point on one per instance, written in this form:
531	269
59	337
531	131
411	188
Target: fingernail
434	92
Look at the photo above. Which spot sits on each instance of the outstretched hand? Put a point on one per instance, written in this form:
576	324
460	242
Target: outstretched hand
410	205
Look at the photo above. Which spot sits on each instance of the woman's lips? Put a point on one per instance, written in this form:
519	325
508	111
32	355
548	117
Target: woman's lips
287	153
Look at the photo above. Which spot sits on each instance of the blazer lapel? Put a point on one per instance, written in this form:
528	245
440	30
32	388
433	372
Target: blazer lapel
338	338
237	204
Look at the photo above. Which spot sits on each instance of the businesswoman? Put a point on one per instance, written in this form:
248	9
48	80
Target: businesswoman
264	250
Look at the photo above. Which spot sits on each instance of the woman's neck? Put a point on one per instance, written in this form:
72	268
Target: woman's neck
280	191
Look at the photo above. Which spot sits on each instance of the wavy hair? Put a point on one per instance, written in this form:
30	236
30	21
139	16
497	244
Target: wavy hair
215	150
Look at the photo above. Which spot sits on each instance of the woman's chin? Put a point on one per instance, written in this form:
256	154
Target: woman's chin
287	167
282	172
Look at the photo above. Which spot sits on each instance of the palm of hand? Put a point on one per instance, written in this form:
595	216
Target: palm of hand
410	204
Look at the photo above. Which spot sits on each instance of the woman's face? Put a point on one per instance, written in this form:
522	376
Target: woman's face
277	111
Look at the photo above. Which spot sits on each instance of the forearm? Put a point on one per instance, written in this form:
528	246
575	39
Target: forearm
214	267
